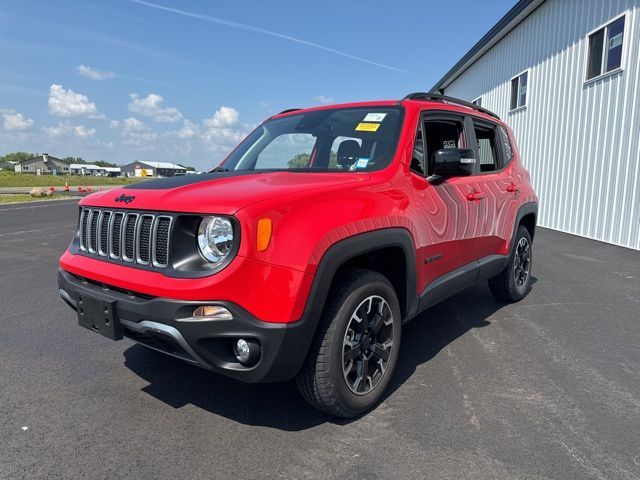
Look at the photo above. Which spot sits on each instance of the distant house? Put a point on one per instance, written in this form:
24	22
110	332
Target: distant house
153	169
112	171
44	164
87	169
8	165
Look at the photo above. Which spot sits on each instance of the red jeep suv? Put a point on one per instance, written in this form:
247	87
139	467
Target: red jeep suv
303	253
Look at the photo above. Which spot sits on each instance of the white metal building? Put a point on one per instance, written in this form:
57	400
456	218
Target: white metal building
153	169
565	74
88	169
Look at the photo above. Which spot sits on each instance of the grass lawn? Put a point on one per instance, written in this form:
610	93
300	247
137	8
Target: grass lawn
23	197
12	179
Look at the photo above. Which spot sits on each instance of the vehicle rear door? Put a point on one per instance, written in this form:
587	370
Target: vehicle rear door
497	201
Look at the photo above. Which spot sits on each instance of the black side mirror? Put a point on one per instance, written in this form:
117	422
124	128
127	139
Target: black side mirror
453	162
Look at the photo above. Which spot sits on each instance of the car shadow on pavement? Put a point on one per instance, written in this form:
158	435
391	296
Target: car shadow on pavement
280	406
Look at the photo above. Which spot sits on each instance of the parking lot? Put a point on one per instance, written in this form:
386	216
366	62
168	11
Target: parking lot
547	388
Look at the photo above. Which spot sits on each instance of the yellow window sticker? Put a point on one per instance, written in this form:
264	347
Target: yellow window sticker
368	127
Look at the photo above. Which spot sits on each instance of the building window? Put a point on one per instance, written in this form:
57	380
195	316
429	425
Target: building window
605	49
519	90
478	101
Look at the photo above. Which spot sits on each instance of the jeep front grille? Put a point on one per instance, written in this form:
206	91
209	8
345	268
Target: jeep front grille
131	237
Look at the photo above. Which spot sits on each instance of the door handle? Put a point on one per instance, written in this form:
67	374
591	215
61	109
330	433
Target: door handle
513	188
475	196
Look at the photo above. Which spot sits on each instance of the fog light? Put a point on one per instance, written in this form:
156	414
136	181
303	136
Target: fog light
210	312
246	351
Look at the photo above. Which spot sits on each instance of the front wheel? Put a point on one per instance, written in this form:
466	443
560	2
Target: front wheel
514	282
355	351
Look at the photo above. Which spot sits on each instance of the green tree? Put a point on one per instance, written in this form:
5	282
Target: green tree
102	163
18	157
302	160
74	159
333	159
299	161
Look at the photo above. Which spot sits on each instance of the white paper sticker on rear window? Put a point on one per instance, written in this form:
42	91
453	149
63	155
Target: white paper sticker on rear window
362	162
374	117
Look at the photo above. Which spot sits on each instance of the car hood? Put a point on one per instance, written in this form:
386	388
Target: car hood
219	192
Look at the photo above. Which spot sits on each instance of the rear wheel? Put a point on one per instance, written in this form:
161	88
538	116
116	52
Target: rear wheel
355	349
514	282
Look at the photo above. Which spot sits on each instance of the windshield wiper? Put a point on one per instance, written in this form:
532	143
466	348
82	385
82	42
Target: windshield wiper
219	169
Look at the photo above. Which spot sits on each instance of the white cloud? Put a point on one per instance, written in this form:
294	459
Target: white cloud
16	121
188	130
153	106
136	133
83	132
223	129
61	130
114	124
65	129
224	117
323	99
67	103
94	73
132	124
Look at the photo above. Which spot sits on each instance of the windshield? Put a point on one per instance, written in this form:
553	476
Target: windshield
340	139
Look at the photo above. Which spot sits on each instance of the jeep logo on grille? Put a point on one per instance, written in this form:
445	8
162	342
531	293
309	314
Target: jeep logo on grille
125	198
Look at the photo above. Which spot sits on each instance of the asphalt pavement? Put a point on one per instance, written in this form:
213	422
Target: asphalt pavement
547	388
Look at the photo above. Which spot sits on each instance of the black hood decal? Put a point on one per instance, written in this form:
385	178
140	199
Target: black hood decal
182	180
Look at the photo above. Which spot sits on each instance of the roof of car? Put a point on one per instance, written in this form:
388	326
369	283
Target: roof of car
435	101
375	103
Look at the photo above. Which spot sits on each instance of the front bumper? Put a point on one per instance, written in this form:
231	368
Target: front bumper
163	324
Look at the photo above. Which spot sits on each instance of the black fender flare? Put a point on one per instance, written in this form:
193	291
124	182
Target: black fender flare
525	209
360	244
343	251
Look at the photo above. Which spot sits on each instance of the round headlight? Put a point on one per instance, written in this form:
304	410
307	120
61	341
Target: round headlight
215	238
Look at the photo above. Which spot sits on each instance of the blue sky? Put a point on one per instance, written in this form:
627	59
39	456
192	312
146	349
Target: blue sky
184	81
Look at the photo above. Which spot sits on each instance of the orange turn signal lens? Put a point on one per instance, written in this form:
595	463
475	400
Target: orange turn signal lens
264	234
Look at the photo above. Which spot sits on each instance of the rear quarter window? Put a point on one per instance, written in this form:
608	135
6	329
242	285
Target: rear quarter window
506	144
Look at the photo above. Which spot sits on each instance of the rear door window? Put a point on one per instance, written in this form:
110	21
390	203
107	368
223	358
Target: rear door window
487	145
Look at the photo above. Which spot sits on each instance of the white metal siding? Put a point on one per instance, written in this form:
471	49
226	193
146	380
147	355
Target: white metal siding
580	141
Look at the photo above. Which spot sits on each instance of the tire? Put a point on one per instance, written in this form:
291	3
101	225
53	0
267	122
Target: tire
328	379
514	282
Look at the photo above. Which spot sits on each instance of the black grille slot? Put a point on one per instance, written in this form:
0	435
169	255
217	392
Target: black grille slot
115	234
144	239
162	241
138	238
129	237
83	229
104	233
93	236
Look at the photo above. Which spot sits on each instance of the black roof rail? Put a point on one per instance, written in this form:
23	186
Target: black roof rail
443	98
289	110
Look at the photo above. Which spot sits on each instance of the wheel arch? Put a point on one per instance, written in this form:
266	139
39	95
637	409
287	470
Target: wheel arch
527	216
351	252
